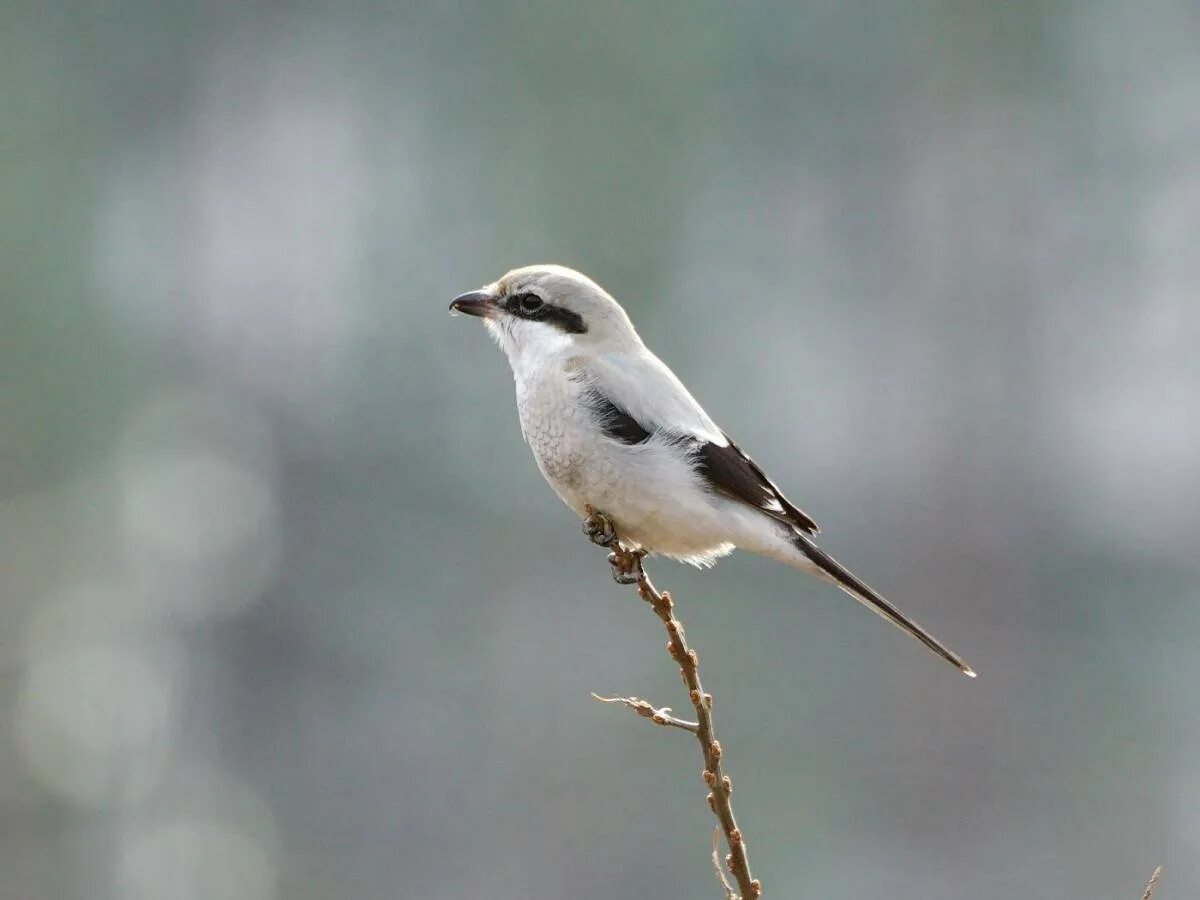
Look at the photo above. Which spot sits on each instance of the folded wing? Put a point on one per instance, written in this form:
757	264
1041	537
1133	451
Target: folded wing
631	412
731	472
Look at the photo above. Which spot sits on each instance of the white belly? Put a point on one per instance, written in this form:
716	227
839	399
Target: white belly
650	490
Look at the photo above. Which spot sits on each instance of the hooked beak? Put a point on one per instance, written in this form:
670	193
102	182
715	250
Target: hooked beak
476	303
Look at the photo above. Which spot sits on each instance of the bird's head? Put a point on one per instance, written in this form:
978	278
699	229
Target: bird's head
544	309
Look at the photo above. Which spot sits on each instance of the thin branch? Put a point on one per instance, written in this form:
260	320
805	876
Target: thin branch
730	893
644	708
1153	884
627	568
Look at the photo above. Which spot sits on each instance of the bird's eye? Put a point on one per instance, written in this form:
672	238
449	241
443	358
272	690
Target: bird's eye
530	302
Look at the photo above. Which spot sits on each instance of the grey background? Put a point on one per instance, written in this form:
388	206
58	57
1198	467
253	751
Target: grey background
287	610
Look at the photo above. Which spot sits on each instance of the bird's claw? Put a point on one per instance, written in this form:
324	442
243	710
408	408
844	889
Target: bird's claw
599	529
626	566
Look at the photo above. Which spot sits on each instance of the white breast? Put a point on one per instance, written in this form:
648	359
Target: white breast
557	429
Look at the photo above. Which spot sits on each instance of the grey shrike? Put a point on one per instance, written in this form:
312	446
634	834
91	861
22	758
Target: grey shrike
612	428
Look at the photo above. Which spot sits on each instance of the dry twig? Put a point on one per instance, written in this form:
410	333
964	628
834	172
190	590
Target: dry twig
627	569
730	893
1153	884
646	709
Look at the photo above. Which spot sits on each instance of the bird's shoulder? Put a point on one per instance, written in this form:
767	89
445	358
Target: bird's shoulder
643	387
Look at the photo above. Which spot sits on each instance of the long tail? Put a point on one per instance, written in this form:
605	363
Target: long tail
864	594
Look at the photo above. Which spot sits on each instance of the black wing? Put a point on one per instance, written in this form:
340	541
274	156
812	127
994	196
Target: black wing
727	469
731	472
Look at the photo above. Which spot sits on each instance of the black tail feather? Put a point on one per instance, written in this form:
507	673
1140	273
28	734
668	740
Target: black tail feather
868	597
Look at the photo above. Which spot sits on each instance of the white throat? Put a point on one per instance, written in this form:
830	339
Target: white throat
530	346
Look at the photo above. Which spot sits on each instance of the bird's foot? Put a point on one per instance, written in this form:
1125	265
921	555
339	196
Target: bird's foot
627	565
599	528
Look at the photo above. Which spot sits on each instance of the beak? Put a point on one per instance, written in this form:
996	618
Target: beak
476	303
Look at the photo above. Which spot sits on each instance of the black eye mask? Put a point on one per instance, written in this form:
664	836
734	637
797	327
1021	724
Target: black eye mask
531	306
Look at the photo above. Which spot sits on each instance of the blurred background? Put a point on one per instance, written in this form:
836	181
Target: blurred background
289	613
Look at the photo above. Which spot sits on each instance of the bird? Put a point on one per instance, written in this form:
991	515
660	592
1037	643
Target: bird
613	429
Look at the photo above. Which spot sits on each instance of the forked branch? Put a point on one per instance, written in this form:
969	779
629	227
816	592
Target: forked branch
627	569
